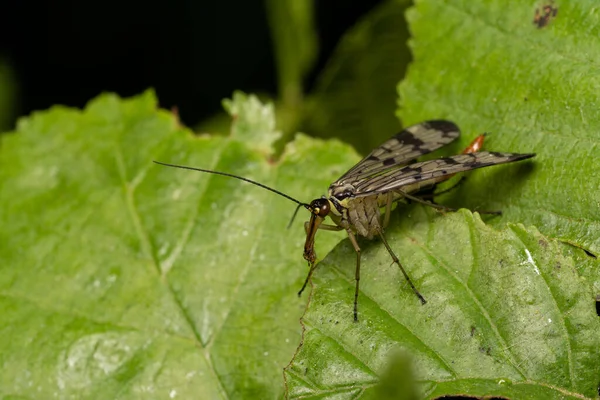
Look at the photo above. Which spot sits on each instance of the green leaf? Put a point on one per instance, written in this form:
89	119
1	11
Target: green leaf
121	278
487	67
507	314
253	122
354	98
511	312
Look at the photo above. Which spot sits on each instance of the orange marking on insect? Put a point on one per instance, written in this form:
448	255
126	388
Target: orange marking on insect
475	145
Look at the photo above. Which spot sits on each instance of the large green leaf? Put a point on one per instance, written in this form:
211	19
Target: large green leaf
120	278
510	312
124	279
486	66
507	314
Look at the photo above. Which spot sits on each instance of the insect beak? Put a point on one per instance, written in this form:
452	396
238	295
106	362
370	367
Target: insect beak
311	230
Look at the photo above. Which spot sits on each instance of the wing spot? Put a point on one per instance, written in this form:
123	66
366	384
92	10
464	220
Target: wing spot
410	139
446	127
450	161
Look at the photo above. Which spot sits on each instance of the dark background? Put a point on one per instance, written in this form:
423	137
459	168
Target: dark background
194	53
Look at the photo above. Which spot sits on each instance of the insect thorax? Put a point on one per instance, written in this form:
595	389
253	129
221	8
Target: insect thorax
360	214
341	190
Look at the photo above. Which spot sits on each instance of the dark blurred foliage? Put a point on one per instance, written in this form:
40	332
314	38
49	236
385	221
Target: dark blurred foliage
194	53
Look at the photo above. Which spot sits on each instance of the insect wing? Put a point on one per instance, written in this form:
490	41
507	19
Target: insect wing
429	172
404	147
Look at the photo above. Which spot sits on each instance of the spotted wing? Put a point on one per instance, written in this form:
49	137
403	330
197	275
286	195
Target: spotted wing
402	148
432	171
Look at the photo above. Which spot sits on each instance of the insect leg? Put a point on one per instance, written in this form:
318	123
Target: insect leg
313	266
357	273
461	180
427	203
388	210
325	227
397	261
444	208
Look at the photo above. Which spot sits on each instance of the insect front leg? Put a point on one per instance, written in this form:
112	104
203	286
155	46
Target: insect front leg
312	264
325	227
397	261
357	273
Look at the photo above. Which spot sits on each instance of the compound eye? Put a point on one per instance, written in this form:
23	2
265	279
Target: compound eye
323	210
320	207
344	195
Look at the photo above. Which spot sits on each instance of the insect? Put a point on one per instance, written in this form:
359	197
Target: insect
388	174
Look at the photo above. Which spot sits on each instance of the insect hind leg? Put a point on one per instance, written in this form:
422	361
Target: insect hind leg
431	194
352	238
397	261
388	210
440	207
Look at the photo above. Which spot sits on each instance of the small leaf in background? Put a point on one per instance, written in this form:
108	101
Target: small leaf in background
253	122
354	98
121	278
507	314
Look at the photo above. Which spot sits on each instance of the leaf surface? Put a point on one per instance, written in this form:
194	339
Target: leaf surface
508	314
487	67
121	278
511	311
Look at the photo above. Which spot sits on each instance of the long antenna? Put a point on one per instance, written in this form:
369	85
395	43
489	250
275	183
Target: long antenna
294	216
208	171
